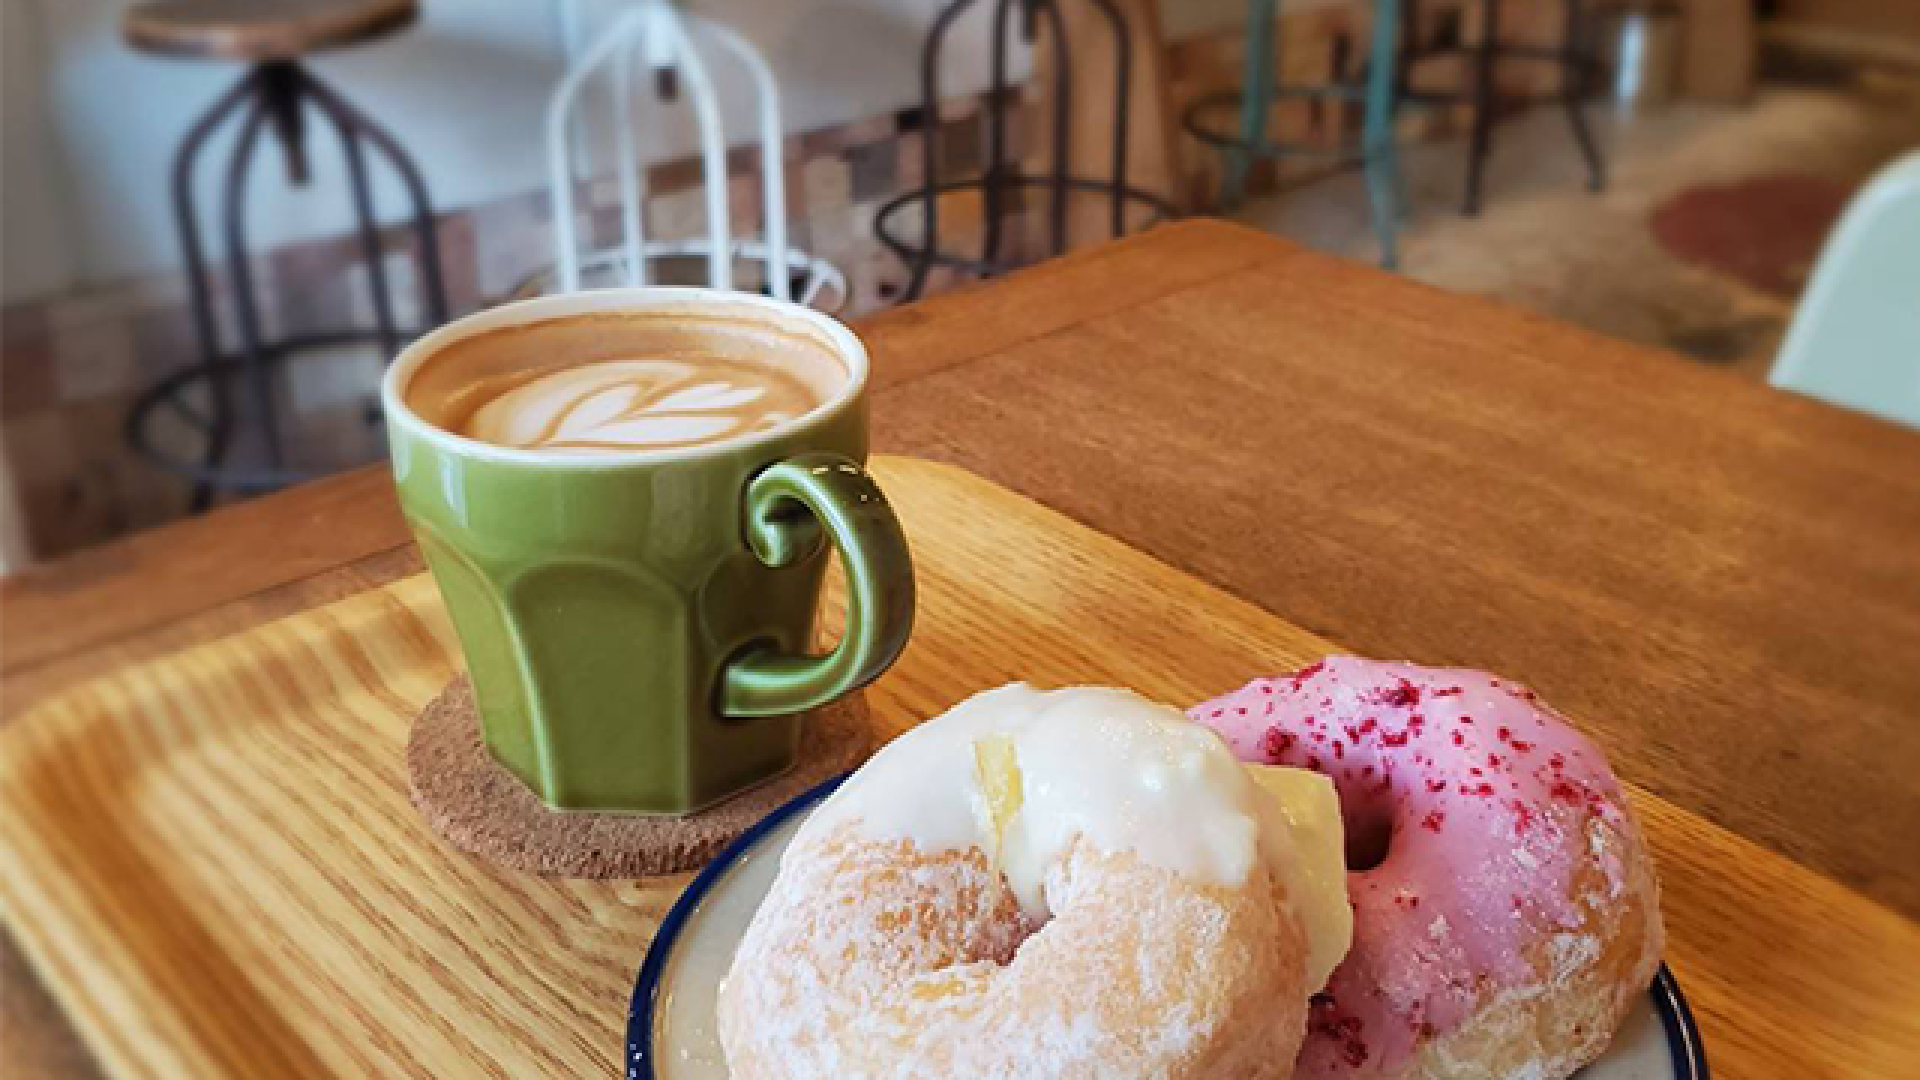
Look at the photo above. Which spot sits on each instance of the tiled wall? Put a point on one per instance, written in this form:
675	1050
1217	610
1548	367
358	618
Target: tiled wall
73	366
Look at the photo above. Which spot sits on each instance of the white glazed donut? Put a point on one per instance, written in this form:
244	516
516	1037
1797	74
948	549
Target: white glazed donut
1070	884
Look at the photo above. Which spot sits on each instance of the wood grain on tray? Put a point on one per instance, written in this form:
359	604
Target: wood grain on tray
213	859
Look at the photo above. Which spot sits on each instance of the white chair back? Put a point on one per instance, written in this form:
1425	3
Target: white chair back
644	40
1855	339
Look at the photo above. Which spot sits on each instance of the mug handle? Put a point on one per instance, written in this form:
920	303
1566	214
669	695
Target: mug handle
786	506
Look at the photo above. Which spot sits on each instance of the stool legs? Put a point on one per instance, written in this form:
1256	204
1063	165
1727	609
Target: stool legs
998	177
200	294
350	121
992	203
1379	152
1574	92
1122	71
1484	54
930	129
1256	98
273	94
1576	64
1062	126
253	359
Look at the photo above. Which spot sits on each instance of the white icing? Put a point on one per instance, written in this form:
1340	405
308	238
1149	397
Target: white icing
1125	774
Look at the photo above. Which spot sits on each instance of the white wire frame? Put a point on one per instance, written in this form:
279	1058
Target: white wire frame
663	38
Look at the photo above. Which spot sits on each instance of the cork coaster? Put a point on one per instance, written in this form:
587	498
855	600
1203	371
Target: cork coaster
482	809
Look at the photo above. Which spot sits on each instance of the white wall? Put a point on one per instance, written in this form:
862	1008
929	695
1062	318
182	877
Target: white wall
34	213
464	91
457	90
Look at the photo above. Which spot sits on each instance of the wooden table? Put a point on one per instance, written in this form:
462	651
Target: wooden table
1722	581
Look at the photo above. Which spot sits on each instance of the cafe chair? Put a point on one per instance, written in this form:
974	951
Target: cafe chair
1855	337
652	48
1002	184
277	94
1376	152
1574	58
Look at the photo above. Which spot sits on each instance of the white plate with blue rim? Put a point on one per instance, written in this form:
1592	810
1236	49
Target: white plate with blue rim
671	1034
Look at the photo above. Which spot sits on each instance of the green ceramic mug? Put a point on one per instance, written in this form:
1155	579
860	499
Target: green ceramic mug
636	622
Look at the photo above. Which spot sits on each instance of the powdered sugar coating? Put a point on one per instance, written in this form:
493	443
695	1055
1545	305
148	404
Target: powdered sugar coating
1144	916
1505	829
873	959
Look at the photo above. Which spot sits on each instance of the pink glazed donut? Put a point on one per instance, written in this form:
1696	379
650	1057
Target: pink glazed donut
1505	908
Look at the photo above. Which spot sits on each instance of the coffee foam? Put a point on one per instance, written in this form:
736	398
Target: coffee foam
618	382
638	404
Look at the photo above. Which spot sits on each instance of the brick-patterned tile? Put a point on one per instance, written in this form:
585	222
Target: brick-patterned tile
337	438
910	169
301	266
403	292
90	307
607	230
24	320
159	292
677	215
881	128
36	446
318	305
164	341
822	142
604	191
95	430
110	490
794	166
269	310
745	203
961	143
56	523
323	379
874	169
679	174
458	269
511	240
828	183
744	158
94	359
27	382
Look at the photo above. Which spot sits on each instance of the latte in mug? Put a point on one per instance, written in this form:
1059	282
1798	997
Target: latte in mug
613	383
629	499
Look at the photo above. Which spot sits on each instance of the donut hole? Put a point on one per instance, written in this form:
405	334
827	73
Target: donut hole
1368	838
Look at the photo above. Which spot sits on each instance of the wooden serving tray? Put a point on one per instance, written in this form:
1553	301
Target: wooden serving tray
212	858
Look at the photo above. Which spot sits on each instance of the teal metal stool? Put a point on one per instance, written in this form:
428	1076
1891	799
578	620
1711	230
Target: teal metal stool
1377	152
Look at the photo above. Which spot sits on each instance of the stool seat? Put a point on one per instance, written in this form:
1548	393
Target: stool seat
259	31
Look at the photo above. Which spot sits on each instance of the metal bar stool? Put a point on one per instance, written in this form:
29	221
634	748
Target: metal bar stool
276	91
998	181
1376	152
1574	56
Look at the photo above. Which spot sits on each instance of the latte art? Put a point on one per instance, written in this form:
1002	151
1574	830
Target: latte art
625	382
637	405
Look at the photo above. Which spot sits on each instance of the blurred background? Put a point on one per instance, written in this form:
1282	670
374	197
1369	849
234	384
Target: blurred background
1719	141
